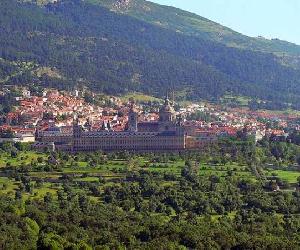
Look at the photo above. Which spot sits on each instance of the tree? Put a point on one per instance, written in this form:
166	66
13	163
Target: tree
18	195
48	198
52	241
33	230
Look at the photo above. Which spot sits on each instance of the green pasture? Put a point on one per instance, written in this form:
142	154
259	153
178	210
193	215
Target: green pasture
43	190
289	176
140	97
241	100
7	186
112	170
22	158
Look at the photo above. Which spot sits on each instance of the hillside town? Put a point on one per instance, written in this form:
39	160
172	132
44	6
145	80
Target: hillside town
55	110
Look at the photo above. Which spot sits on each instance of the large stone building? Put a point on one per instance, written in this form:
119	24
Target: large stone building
166	134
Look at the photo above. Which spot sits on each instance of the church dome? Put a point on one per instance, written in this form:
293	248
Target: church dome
167	107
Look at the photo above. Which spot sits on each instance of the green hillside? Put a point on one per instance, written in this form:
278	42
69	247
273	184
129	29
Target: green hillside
126	46
192	24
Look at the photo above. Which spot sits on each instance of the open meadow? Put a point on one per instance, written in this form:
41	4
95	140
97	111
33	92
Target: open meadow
49	177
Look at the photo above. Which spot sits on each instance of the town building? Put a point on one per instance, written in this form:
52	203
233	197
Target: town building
19	137
166	134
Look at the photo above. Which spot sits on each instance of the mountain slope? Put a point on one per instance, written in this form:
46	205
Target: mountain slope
192	24
102	44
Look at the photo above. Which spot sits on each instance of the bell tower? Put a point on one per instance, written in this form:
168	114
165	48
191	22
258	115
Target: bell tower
76	128
132	118
77	132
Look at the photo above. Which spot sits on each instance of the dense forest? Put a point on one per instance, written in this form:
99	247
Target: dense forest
86	43
146	215
135	207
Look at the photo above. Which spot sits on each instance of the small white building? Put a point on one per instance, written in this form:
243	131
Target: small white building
23	138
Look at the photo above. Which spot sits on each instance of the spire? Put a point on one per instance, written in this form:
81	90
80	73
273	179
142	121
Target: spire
173	97
108	126
76	127
179	120
167	101
103	127
132	118
132	105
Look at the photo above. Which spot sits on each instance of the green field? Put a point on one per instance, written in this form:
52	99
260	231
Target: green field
111	171
240	100
140	97
289	176
23	158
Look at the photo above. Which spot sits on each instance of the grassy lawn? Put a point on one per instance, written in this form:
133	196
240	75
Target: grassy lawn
289	176
139	97
204	169
222	171
53	175
42	191
87	179
23	158
229	215
112	170
7	186
241	100
282	112
11	186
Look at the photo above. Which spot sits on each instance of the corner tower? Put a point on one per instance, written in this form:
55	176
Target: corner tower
76	128
132	118
77	131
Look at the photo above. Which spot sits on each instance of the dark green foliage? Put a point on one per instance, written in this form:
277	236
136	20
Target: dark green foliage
7	102
142	209
117	53
194	25
146	215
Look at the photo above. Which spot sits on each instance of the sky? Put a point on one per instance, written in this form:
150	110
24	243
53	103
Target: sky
267	18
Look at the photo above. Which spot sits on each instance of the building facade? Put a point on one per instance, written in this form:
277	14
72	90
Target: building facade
166	134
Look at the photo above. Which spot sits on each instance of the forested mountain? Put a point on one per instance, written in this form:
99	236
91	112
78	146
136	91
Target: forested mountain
192	24
134	45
